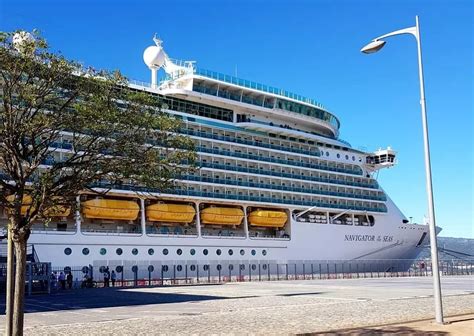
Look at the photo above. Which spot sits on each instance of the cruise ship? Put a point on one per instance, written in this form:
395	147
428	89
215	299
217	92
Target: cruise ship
275	185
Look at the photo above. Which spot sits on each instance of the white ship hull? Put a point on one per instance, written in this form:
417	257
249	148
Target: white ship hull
388	240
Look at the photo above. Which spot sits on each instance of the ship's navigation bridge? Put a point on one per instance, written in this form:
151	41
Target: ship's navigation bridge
382	158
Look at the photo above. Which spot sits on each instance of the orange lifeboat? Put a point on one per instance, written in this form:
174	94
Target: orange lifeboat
171	213
58	210
110	209
222	216
268	218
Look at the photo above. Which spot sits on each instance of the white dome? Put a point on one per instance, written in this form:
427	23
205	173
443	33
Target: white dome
154	56
21	40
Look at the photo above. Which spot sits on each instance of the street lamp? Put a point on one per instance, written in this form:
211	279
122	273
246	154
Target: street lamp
373	47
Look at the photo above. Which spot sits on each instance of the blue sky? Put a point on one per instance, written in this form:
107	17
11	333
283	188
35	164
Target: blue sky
310	48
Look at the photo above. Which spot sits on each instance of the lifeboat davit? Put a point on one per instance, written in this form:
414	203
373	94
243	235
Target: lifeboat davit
171	213
268	218
222	216
110	209
58	210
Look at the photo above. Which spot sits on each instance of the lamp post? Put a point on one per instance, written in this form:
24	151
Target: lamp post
373	47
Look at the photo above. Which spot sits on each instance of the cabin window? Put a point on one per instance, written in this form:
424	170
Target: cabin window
192	251
242	252
67	251
179	251
165	251
151	251
103	251
119	251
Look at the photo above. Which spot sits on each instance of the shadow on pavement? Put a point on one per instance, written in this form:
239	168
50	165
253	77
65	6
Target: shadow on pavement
383	331
103	298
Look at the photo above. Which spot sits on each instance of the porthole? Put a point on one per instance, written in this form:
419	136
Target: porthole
347	157
119	269
179	268
206	267
67	269
164	268
231	267
205	252
151	268
218	252
254	252
327	153
192	268
119	251
353	158
242	252
165	251
338	155
254	267
179	251
264	266
134	251
151	251
103	251
134	268
67	251
242	267
264	252
192	251
231	252
85	251
219	267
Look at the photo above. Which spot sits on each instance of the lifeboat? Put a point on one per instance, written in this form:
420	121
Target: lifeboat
268	218
172	213
222	216
110	209
54	211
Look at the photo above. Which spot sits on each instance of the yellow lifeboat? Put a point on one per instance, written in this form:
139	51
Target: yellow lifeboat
110	209
222	216
268	218
169	212
54	211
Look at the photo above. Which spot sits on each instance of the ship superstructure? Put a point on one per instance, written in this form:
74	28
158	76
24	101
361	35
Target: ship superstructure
275	184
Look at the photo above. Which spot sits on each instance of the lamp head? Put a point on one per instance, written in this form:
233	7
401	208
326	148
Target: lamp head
373	47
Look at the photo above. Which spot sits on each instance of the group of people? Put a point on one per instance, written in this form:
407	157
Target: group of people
62	279
109	277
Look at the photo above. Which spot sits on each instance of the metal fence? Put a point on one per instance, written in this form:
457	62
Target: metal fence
163	274
42	278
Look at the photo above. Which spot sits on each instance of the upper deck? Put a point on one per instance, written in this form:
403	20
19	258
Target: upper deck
249	99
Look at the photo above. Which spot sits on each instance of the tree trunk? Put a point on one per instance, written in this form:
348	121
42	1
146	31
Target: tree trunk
20	275
10	283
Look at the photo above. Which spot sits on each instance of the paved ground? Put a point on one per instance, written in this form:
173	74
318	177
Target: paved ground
284	307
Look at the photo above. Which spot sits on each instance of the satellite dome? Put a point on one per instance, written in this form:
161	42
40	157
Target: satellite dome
22	41
154	56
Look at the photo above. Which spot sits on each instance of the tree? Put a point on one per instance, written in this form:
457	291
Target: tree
115	136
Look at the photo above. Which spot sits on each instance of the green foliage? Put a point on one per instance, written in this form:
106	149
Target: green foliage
114	135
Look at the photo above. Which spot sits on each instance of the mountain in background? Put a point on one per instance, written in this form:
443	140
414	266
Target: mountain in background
449	248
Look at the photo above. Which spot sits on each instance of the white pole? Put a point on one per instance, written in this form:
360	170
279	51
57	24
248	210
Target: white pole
429	190
154	75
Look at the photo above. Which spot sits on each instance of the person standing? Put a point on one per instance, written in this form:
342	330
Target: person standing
69	280
106	277
62	280
113	277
